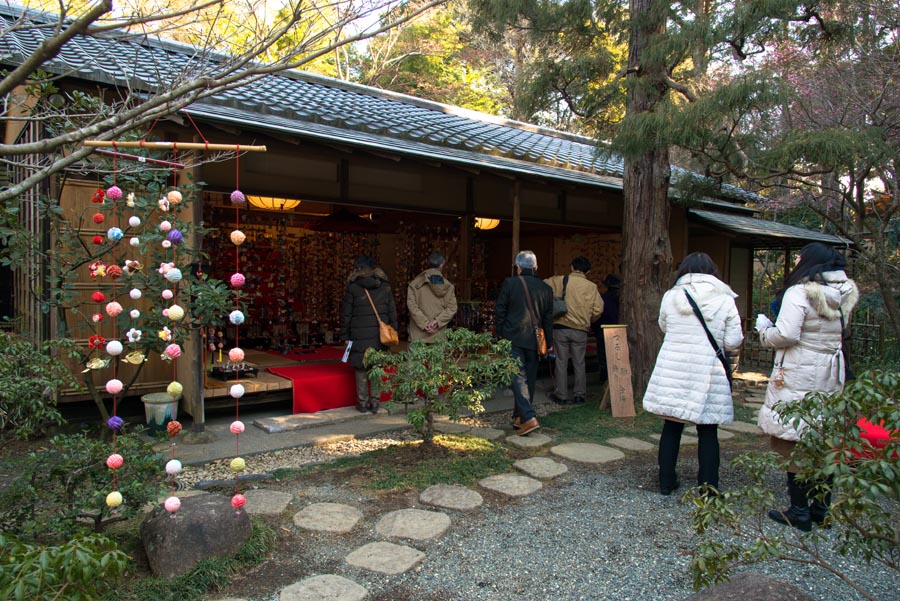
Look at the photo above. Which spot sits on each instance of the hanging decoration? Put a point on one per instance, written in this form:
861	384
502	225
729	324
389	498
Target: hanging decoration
236	354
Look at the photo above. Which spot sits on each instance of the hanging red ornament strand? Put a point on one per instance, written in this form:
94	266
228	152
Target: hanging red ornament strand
236	354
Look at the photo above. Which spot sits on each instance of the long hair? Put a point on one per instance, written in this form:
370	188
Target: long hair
815	259
697	263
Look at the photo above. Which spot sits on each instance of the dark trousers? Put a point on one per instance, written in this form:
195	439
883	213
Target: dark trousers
707	454
523	383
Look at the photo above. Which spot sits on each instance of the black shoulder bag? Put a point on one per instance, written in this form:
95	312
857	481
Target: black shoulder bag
719	352
559	302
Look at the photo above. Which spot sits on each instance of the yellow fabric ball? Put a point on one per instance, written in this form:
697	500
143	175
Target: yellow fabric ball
114	499
174	389
176	312
237	464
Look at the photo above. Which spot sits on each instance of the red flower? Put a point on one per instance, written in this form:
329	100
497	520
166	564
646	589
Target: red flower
96	341
98	196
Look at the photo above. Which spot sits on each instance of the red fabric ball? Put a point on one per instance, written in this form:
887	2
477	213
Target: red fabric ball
173	428
99	218
98	297
98	240
114	271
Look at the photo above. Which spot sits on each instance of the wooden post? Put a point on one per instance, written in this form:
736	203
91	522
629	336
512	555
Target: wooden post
619	389
515	221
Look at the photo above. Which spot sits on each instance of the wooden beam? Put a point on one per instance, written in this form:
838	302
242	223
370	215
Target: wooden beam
172	146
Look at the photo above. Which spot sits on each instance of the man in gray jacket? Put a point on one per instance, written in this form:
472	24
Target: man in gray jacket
431	301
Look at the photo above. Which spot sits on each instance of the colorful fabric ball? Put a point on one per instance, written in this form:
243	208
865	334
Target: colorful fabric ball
166	244
236	317
98	297
173	428
168	294
114	499
173	351
96	318
134	221
114	348
173	467
237	391
135	242
237	427
98	240
238	198
173	504
175	237
174	275
134	314
98	218
114	309
238	237
238	501
115	423
176	313
114	461
174	389
133	335
174	197
114	193
236	355
114	234
165	226
114	386
135	293
237	465
238	280
114	272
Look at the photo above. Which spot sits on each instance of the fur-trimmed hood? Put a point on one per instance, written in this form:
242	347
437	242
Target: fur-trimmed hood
837	294
368	277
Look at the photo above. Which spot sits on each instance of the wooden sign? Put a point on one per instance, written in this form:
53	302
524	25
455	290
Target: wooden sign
619	390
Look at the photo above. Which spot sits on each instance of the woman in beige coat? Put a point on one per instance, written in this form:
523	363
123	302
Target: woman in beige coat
816	300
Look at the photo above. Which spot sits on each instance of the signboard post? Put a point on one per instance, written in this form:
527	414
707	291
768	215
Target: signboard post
618	391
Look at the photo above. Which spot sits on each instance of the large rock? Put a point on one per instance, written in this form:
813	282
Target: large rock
751	587
205	526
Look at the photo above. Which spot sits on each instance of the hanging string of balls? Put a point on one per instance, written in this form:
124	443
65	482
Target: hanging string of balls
236	354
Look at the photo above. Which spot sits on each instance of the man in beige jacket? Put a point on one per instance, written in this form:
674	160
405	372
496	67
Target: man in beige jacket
431	301
570	330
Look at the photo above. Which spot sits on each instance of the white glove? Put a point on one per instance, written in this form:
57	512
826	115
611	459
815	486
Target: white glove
763	322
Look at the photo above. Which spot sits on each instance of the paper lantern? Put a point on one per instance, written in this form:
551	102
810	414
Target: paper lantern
236	391
114	461
134	221
173	467
236	317
238	237
483	223
173	504
114	348
114	499
237	465
237	427
174	389
114	193
238	198
237	280
114	309
174	197
236	355
114	386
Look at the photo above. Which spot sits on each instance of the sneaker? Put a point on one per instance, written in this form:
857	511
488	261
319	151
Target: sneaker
528	427
557	399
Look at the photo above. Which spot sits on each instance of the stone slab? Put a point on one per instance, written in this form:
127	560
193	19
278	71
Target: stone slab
413	524
743	428
266	502
534	440
631	444
685	440
511	485
328	517
386	558
724	434
587	452
446	427
541	467
325	587
487	433
449	496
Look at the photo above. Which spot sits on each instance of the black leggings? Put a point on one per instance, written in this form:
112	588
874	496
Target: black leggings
707	454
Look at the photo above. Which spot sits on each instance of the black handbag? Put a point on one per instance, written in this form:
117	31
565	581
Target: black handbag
722	355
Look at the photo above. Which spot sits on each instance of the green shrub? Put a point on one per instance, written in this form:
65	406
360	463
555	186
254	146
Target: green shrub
80	569
30	379
62	488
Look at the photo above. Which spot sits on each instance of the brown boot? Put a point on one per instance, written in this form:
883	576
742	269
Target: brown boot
529	426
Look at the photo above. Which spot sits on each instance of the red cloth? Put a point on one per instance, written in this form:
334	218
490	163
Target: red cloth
320	386
876	435
310	355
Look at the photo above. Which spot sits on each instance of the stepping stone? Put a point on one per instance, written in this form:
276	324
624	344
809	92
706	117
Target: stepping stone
631	444
587	452
685	440
532	441
541	467
446	427
743	428
386	558
511	485
451	496
328	517
414	524
724	434
690	430
487	433
266	502
326	587
232	599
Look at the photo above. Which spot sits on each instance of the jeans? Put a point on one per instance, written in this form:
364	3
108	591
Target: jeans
523	383
707	454
570	343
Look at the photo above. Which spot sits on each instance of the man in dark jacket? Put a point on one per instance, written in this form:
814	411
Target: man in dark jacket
610	315
359	323
514	323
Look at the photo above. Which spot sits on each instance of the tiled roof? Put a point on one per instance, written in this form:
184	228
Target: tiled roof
764	233
312	106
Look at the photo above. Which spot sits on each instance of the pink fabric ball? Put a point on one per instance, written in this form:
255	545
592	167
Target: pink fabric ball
238	198
165	226
173	504
174	197
114	193
114	386
237	427
173	351
236	355
238	237
113	309
114	461
168	294
238	501
238	280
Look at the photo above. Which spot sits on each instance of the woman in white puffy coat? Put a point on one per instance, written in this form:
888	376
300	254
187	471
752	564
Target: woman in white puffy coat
689	383
807	335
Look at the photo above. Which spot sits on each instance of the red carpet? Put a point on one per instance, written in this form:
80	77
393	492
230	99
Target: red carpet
321	386
313	355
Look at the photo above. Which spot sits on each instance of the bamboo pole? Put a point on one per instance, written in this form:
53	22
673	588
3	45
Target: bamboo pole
173	145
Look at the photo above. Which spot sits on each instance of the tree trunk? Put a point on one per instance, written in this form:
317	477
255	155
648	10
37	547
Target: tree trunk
647	260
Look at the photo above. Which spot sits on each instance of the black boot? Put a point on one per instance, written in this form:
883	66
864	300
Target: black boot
797	515
821	502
